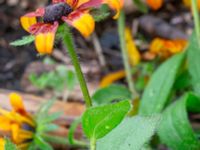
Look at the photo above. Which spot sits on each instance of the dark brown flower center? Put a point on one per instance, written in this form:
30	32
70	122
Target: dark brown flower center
55	12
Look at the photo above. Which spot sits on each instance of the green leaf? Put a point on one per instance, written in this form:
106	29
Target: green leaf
100	14
47	127
24	41
98	121
42	144
108	94
39	81
159	88
32	146
175	130
132	134
42	117
71	80
183	81
9	145
52	117
68	77
46	106
60	80
193	62
193	103
49	61
61	70
141	6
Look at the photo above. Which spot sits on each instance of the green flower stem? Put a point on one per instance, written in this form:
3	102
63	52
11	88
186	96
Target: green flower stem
63	141
68	41
121	30
196	18
92	144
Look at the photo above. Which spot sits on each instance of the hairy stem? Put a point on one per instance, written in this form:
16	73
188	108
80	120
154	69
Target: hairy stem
69	43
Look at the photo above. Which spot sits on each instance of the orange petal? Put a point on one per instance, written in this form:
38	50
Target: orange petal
91	4
112	77
18	118
24	135
166	48
187	3
17	103
23	146
27	22
156	45
116	5
80	2
133	52
155	4
44	42
6	113
175	46
82	21
5	123
198	3
15	132
72	3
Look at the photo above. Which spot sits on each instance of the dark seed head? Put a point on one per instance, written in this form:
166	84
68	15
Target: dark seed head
55	12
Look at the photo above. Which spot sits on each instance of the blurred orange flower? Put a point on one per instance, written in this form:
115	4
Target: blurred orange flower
187	3
166	48
155	4
75	13
112	77
18	123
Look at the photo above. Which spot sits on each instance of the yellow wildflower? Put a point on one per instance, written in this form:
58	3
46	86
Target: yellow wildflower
166	48
17	122
133	52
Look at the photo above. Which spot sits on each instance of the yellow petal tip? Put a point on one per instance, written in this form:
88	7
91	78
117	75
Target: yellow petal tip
44	42
27	22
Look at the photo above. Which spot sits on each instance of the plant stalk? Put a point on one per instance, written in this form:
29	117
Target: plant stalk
121	30
69	43
92	144
196	18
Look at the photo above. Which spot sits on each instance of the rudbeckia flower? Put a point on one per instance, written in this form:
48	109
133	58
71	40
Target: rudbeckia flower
75	13
17	123
166	48
155	4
